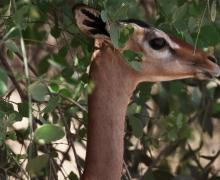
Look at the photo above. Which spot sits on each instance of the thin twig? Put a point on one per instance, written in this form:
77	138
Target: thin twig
12	76
165	151
64	155
52	162
200	25
127	170
29	65
212	160
171	146
12	155
195	158
74	152
27	78
75	103
77	159
70	140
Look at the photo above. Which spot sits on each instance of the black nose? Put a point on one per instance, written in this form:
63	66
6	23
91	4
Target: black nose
213	59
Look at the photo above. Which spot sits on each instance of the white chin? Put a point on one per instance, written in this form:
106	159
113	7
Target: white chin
203	76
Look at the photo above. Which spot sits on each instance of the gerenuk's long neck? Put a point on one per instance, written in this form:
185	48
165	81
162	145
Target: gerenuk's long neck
114	83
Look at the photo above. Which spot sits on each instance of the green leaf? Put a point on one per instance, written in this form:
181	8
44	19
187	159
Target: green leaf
121	11
37	164
136	65
11	135
6	107
54	87
188	38
196	96
180	12
63	51
133	59
13	117
168	6
44	65
10	54
215	108
179	17
136	126
3	88
68	19
38	91
58	61
11	45
3	75
3	128
23	109
52	104
48	133
133	109
172	135
130	55
160	173
114	35
1	116
32	34
176	88
213	11
192	24
55	32
3	82
90	87
20	14
210	35
125	33
179	121
68	73
149	175
34	13
65	93
7	10
104	15
144	92
72	176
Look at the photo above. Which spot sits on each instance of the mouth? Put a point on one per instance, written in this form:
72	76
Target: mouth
203	76
207	75
210	71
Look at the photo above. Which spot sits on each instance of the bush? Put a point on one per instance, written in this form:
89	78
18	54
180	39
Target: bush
45	59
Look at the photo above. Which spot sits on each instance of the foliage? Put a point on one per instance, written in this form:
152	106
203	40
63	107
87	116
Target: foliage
55	86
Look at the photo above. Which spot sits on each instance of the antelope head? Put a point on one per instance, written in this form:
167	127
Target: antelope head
164	57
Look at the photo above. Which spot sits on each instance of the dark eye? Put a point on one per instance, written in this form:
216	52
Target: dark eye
157	43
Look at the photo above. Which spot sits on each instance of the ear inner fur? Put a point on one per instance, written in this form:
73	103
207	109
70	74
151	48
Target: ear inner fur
89	21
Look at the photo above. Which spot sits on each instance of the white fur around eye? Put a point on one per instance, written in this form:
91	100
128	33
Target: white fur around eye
158	54
161	34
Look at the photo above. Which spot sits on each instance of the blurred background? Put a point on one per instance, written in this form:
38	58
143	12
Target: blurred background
172	128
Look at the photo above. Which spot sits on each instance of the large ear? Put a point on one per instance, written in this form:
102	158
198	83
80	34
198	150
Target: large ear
89	21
